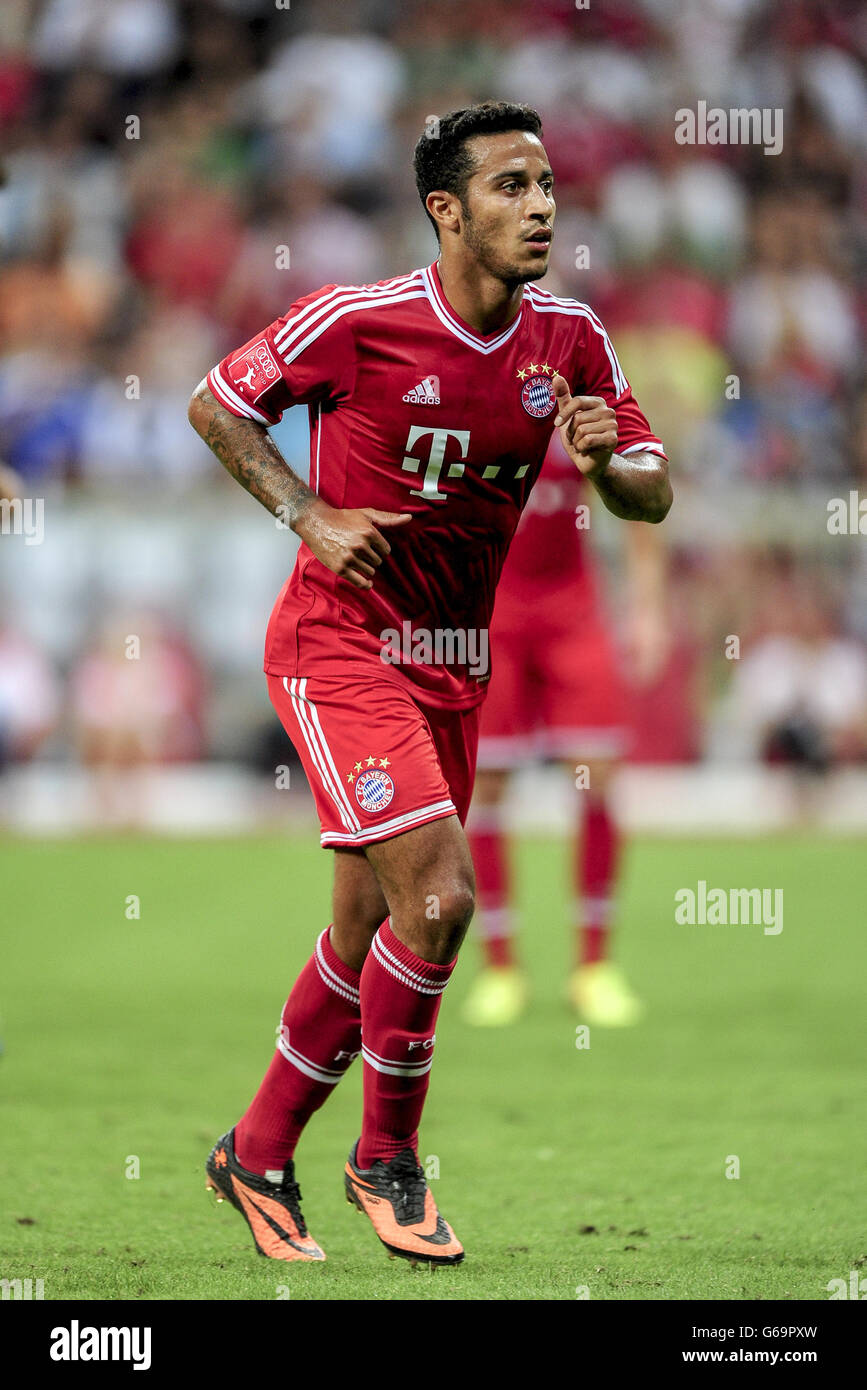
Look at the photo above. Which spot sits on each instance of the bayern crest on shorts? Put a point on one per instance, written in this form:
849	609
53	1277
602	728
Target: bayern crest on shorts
537	396
374	790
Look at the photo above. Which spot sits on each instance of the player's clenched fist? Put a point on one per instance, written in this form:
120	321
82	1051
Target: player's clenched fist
588	428
348	540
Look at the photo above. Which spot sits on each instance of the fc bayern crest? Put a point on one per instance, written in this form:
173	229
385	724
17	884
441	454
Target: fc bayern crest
537	396
374	790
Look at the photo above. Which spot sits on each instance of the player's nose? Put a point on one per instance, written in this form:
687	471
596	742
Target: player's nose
539	204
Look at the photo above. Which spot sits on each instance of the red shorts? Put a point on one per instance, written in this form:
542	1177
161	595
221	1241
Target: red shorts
377	762
556	689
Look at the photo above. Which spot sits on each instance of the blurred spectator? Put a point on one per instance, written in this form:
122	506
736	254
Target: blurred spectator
328	97
302	238
136	695
800	690
791	310
29	697
142	426
119	36
11	485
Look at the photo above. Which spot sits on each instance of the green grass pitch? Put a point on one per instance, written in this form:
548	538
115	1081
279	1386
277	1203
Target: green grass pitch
564	1170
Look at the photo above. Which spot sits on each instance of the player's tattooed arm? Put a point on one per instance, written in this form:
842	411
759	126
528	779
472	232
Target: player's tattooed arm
635	486
247	451
347	540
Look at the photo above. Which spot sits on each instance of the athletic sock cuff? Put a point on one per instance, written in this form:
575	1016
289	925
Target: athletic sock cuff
333	971
495	921
398	960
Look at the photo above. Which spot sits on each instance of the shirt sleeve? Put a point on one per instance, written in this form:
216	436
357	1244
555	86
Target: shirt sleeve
597	372
305	356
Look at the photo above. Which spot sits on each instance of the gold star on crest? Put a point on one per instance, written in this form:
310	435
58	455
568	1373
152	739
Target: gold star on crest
358	767
371	762
546	369
384	762
350	776
522	376
534	368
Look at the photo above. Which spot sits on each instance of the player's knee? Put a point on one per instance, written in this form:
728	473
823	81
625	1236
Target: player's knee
458	904
451	914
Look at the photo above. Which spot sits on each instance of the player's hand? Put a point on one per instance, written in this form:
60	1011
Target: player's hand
349	541
588	428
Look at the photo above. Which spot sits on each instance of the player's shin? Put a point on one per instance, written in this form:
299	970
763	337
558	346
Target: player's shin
400	1000
487	838
320	1035
596	866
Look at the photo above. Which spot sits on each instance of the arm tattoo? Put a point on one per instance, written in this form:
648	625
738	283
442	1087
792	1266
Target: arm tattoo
247	451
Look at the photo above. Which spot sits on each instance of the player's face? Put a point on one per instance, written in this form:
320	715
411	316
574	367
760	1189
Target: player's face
508	209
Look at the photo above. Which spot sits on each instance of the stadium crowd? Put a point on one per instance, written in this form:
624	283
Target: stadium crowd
178	171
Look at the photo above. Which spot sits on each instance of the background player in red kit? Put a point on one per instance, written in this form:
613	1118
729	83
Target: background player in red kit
559	691
432	398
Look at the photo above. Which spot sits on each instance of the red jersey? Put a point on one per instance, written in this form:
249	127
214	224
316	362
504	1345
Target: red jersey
412	410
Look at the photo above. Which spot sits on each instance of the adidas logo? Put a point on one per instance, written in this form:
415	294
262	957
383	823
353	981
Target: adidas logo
426	393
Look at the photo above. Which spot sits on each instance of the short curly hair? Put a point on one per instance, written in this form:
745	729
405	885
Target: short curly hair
441	159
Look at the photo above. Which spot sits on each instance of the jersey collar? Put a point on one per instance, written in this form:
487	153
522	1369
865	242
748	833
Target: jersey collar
449	319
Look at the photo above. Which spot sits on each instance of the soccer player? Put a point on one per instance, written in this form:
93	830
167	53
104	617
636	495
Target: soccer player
558	692
432	398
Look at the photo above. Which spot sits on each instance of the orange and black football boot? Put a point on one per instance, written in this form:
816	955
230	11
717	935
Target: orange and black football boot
402	1210
272	1210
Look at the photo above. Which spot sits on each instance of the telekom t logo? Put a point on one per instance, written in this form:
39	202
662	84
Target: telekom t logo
430	487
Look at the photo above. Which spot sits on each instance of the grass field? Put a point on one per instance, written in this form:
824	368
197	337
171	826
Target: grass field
561	1169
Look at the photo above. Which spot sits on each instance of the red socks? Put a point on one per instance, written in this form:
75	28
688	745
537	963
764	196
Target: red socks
595	869
495	923
399	996
320	1034
400	1000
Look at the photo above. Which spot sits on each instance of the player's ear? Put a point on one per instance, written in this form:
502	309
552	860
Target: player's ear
445	209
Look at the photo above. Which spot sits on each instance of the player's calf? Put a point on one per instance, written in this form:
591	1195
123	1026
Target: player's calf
359	906
428	880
